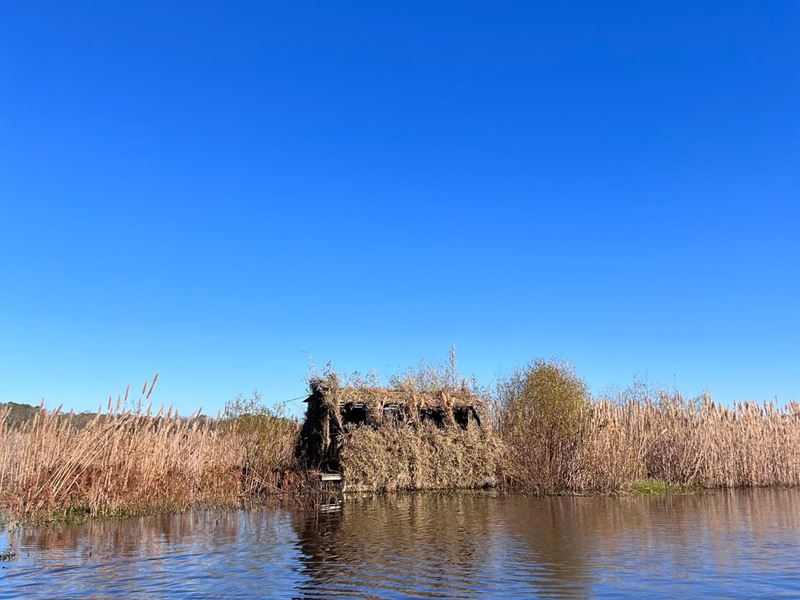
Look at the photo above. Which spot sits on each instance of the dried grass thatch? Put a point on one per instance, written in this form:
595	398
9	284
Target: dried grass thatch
399	438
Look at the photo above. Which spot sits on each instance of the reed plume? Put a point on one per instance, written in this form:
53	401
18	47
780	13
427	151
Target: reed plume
128	462
559	439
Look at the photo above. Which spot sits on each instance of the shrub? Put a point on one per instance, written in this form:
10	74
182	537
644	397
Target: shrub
542	413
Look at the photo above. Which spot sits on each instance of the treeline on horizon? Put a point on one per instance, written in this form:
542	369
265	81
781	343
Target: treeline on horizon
547	433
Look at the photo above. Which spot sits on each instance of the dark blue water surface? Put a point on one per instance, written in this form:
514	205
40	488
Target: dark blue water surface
722	544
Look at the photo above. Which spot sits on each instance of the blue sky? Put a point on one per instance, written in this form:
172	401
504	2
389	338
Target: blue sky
217	191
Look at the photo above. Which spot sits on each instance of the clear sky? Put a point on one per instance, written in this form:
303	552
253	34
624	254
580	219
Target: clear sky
216	191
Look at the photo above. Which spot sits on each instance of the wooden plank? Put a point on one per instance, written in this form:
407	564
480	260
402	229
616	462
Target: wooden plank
330	476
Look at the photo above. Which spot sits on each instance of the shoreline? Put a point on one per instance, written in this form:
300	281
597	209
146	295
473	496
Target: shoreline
541	433
322	502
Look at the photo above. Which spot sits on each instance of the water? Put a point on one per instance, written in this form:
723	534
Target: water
731	544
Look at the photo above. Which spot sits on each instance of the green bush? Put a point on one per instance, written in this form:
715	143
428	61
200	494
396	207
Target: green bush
542	411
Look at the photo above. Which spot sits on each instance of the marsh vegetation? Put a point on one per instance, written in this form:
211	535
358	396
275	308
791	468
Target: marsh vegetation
541	431
559	439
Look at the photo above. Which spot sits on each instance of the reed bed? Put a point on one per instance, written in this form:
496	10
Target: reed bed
558	439
129	462
543	433
700	443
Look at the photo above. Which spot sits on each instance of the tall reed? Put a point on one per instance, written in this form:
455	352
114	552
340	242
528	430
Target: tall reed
131	461
546	434
558	439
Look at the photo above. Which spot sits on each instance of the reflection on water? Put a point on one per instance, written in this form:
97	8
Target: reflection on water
722	544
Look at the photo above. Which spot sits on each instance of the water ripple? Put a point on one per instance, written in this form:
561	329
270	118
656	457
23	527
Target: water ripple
428	546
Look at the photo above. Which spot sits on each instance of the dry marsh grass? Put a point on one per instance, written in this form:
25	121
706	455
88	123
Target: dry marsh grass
128	462
391	459
544	433
559	439
436	434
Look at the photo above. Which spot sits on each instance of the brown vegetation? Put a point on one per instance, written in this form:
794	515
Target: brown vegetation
560	440
418	433
122	462
429	431
544	433
428	457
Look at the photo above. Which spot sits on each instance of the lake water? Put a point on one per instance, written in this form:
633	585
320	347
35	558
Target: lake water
729	544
